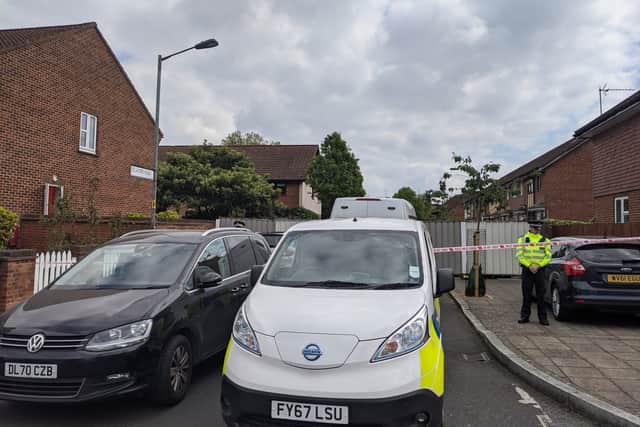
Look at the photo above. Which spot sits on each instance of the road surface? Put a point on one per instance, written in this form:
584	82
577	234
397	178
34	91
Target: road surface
479	393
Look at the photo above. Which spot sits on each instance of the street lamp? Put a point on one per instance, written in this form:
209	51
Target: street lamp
205	44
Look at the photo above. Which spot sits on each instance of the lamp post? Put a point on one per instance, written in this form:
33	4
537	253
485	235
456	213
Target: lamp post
205	44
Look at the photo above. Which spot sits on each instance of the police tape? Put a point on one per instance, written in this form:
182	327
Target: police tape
501	246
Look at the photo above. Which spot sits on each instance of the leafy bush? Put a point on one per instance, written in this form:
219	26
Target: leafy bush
302	213
555	221
8	222
137	215
168	215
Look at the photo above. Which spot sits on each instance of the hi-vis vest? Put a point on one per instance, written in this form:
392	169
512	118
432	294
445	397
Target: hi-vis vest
540	255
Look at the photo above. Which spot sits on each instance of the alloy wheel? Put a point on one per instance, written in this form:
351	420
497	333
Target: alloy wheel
555	302
179	369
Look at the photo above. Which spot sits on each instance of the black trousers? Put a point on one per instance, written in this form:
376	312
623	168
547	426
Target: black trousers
528	281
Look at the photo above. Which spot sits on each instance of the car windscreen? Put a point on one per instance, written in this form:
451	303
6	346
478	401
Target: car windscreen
347	259
610	253
129	266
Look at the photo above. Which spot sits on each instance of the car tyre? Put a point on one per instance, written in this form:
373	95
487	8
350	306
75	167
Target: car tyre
172	376
559	309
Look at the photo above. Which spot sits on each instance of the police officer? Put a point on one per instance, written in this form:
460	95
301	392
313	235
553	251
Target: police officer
533	260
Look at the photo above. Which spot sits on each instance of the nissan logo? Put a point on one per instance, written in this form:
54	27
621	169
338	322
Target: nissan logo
35	343
312	352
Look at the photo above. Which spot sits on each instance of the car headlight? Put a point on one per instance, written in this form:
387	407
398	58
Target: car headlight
243	333
120	337
409	337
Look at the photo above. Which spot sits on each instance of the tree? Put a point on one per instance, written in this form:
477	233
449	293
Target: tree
409	194
334	173
248	138
480	191
214	181
435	201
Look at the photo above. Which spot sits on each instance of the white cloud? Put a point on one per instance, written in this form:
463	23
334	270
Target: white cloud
405	82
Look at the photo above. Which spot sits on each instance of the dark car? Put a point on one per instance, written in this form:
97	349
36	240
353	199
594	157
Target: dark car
137	313
595	275
272	238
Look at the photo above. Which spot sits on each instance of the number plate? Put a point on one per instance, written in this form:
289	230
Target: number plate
309	412
30	370
623	278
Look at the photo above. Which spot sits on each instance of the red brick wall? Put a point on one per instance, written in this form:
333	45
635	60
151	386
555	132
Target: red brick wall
616	154
292	198
605	209
567	186
44	89
17	269
35	235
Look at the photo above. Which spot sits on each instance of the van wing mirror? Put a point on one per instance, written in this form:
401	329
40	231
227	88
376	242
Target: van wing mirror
256	271
445	281
206	277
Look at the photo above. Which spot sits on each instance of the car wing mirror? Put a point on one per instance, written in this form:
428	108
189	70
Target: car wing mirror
206	277
256	271
445	281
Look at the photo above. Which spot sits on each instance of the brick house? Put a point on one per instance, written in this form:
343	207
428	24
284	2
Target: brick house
556	184
455	208
68	113
615	136
285	166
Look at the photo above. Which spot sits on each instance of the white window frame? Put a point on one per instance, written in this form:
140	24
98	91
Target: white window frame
87	133
622	211
46	196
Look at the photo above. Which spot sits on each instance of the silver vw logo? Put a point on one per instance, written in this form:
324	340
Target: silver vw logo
35	343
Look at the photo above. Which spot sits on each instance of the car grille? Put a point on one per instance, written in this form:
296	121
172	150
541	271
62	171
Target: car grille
40	388
50	343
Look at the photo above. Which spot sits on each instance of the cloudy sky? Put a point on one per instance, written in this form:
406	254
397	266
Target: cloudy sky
406	82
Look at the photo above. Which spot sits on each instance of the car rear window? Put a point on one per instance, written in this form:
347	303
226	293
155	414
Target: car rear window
616	253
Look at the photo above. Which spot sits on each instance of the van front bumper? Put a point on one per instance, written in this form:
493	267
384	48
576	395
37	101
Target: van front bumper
244	407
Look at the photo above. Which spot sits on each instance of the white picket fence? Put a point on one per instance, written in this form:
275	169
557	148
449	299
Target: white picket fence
49	266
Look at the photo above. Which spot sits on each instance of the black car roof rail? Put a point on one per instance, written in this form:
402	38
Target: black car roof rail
148	230
212	230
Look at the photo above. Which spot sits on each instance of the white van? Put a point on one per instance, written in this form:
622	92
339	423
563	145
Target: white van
342	327
372	207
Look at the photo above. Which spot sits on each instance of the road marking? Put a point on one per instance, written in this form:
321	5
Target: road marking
526	399
544	420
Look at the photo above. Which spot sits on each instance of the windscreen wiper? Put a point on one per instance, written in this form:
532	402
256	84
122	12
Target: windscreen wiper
397	285
337	284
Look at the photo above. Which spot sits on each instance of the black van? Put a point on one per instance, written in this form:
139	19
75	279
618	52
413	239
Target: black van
136	313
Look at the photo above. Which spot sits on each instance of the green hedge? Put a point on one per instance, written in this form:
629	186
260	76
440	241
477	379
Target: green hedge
168	215
554	221
8	222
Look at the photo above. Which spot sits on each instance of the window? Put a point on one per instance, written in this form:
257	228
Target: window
88	131
621	207
215	257
516	190
530	186
262	252
282	186
558	251
241	253
129	266
537	183
364	258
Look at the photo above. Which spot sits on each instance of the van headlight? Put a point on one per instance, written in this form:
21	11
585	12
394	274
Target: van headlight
243	333
121	337
409	337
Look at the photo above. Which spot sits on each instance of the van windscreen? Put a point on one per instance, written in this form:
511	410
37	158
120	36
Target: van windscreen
347	259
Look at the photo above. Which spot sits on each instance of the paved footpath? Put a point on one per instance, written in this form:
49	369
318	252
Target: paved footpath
597	352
